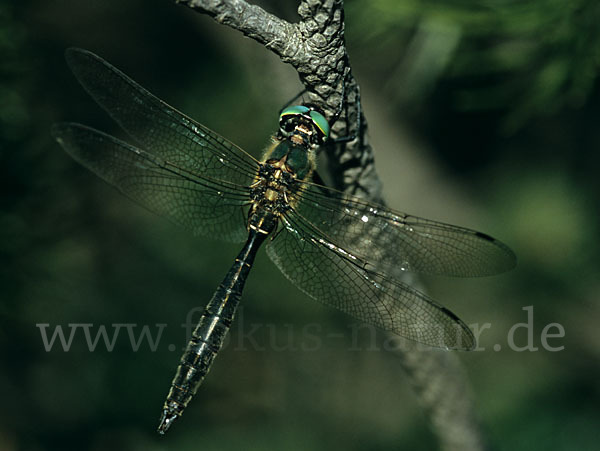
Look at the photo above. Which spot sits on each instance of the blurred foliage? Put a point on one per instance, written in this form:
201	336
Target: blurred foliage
526	58
504	96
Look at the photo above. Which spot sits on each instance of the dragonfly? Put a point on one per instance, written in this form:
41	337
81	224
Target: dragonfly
340	250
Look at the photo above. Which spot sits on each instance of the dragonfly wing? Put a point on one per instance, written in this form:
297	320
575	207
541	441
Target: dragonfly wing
394	241
158	127
336	278
205	206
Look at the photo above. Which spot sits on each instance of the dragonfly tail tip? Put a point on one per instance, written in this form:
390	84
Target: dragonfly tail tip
166	419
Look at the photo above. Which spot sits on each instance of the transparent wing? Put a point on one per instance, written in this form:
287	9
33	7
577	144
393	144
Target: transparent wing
336	278
159	128
204	205
392	241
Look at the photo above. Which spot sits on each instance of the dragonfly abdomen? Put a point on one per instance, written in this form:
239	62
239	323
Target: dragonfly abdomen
209	335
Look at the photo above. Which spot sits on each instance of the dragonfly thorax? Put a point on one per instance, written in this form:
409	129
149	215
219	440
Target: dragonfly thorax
294	158
269	194
285	166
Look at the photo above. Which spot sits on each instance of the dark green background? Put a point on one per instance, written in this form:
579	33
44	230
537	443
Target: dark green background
481	113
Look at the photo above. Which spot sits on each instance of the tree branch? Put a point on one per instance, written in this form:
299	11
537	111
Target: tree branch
315	47
269	30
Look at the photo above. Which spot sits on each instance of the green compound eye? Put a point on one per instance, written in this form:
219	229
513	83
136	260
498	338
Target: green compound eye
294	110
321	123
317	118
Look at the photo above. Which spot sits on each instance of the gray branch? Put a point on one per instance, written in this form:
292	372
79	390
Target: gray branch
315	47
277	35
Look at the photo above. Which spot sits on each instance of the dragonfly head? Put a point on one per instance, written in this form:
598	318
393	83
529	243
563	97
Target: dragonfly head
306	121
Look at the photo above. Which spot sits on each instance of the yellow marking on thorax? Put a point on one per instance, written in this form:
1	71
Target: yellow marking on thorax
297	139
271	195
